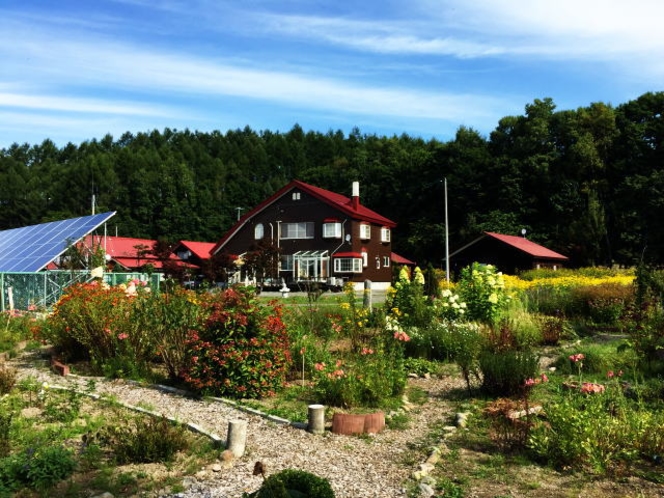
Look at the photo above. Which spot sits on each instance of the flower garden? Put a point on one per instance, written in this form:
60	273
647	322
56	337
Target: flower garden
584	347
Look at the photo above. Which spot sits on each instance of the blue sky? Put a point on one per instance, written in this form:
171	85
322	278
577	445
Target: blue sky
76	70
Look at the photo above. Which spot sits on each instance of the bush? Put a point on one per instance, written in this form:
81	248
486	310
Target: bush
602	304
291	482
39	468
7	379
241	351
602	432
142	440
96	322
368	378
482	288
505	373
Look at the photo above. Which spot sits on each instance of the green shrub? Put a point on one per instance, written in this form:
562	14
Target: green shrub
601	304
7	379
142	440
599	432
290	483
368	378
37	468
463	342
482	288
505	373
598	360
6	417
96	322
407	302
241	351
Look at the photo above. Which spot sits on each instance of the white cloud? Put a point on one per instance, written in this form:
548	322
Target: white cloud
79	105
85	63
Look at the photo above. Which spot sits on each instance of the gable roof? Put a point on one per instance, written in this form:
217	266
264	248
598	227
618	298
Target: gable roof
520	243
344	204
201	250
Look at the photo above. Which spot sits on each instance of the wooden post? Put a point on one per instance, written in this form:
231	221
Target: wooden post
368	298
316	422
237	437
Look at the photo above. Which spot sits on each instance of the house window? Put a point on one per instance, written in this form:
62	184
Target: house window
365	231
296	196
302	230
259	231
348	265
332	230
286	262
384	234
386	261
377	263
365	259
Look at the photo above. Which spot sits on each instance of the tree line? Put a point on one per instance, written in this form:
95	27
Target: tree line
588	183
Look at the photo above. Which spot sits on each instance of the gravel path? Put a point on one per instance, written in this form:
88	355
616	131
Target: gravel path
357	467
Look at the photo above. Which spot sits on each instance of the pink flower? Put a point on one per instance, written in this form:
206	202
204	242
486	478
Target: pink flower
530	382
366	351
319	366
610	374
544	378
577	357
123	336
401	336
303	350
591	388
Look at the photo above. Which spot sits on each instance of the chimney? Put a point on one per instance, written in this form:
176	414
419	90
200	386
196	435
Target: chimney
355	197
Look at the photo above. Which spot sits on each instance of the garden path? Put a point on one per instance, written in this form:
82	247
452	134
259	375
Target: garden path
357	467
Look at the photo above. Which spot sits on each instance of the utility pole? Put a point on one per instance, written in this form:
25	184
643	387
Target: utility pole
447	241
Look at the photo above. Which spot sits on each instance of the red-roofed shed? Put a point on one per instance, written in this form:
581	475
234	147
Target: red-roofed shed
511	254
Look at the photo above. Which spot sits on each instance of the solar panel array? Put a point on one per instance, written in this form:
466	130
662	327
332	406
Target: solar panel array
30	249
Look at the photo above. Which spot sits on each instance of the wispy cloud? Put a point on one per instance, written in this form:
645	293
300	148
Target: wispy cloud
80	105
104	64
602	29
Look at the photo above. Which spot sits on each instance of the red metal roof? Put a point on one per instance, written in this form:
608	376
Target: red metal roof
344	204
199	249
526	246
125	250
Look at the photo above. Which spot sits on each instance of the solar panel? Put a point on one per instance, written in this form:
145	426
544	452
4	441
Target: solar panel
30	249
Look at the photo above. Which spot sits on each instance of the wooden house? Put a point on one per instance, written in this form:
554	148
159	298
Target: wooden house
319	236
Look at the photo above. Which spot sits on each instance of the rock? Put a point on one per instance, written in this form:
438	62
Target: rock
426	491
215	467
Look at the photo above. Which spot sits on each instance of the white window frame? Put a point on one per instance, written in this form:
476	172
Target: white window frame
365	231
296	196
385	234
347	265
365	259
386	261
259	231
332	230
297	230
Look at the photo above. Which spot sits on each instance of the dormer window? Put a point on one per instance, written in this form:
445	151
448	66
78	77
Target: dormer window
365	231
385	234
296	196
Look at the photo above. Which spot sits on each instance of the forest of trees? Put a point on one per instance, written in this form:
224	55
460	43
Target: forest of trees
588	183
